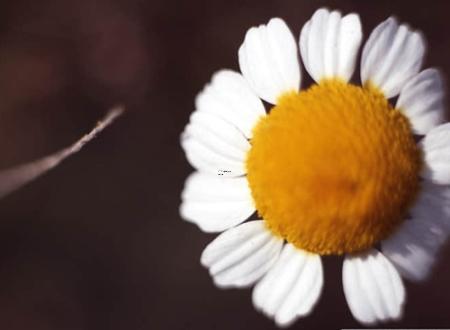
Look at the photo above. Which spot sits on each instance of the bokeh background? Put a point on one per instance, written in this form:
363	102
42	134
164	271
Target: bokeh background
98	243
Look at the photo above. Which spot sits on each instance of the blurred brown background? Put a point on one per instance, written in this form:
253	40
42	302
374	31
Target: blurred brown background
98	243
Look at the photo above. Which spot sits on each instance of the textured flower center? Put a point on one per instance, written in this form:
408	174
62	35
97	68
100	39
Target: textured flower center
333	169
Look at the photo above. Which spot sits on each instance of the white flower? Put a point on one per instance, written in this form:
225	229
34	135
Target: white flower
334	169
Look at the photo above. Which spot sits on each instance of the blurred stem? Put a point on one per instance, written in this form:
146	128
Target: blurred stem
14	178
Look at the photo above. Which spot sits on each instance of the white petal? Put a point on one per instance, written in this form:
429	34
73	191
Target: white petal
436	148
268	59
413	248
230	97
433	204
392	55
329	44
214	145
291	288
372	287
216	203
241	255
422	100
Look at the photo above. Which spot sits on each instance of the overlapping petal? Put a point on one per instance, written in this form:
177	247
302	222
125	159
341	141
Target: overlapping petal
216	203
372	287
392	55
241	255
214	145
268	59
291	288
229	97
414	247
436	149
329	45
422	100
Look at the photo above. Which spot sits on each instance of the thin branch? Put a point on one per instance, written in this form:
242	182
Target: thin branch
14	178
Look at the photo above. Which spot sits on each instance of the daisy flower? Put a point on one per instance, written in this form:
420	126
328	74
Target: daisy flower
361	171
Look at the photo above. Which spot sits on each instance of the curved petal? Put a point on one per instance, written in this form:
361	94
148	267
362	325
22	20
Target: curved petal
436	149
214	145
241	255
433	205
268	59
413	248
372	287
216	203
230	98
422	100
291	288
392	55
329	44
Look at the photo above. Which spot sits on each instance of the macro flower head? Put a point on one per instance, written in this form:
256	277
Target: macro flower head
337	168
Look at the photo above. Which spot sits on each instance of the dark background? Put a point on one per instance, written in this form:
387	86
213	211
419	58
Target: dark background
98	242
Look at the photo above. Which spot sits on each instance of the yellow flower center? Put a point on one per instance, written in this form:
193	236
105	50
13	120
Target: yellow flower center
333	169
